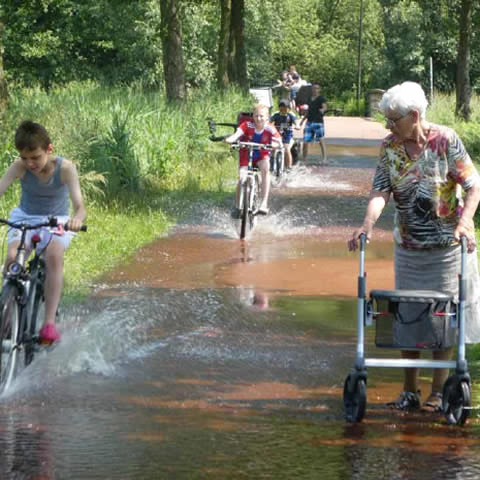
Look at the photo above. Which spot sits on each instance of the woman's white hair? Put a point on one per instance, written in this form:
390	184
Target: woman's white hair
404	98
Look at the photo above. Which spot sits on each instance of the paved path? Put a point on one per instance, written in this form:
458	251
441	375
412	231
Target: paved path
353	131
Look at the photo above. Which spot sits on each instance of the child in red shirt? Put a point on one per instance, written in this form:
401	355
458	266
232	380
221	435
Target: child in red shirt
258	131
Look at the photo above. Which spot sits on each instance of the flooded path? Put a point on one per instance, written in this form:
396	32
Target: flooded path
206	357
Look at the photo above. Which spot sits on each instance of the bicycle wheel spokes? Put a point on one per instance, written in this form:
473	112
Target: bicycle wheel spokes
9	333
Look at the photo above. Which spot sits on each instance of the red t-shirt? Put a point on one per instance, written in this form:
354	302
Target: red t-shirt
248	128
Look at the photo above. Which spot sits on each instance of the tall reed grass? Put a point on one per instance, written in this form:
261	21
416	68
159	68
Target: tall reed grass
134	139
139	160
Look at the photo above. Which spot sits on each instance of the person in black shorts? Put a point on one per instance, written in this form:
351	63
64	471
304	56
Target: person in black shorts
315	129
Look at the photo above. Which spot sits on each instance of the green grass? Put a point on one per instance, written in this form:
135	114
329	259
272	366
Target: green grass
139	159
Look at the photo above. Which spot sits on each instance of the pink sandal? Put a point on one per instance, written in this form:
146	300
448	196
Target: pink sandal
48	334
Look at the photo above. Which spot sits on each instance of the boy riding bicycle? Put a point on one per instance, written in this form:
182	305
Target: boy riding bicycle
258	131
46	182
285	121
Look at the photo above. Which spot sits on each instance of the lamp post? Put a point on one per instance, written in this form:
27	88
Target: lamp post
359	63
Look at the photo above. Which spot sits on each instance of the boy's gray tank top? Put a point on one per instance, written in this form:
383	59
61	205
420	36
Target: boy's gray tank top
49	198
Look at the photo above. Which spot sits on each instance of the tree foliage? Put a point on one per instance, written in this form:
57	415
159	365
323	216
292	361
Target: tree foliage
50	42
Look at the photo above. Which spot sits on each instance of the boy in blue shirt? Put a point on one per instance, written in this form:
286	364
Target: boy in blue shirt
285	121
47	183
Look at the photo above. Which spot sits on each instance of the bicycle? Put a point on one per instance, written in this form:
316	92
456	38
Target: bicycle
249	192
21	301
277	161
250	189
277	166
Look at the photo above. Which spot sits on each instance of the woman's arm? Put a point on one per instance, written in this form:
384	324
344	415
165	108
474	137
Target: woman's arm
376	204
465	225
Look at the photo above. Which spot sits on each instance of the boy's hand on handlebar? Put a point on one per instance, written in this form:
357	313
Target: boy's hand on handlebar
74	225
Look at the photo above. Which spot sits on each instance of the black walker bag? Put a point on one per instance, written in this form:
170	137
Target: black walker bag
414	319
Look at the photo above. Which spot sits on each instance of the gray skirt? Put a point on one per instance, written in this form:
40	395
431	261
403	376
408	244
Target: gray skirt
438	269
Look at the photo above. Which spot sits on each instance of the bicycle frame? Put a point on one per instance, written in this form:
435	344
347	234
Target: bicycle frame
19	295
250	185
18	274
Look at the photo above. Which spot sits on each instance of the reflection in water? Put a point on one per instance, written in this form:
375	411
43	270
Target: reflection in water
25	451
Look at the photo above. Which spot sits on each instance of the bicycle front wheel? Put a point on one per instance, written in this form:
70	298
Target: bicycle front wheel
35	312
254	201
245	209
278	167
9	335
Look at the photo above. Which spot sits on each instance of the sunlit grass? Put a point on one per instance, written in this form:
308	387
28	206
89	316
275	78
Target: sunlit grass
136	154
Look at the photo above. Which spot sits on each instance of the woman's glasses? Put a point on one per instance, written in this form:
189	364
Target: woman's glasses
393	122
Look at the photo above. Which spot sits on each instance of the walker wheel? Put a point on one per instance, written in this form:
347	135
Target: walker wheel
354	398
457	400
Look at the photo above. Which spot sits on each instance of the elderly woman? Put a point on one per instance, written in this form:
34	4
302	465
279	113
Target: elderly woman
425	168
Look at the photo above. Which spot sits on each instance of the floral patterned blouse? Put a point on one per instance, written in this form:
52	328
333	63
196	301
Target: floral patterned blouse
428	190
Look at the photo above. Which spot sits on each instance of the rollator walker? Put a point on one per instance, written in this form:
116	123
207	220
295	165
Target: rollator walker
412	320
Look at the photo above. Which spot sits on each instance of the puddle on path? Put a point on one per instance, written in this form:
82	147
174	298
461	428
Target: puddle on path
207	357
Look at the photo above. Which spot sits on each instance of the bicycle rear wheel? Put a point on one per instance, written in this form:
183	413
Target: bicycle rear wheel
9	335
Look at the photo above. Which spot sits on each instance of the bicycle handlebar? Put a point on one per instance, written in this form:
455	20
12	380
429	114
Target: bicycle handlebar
52	222
252	146
83	228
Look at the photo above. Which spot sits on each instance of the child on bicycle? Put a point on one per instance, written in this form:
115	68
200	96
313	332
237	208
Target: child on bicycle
258	131
284	122
46	182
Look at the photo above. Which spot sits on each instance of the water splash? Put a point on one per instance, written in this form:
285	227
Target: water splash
302	177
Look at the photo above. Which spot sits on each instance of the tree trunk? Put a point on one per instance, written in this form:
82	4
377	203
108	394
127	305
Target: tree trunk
3	80
239	57
464	88
224	42
172	40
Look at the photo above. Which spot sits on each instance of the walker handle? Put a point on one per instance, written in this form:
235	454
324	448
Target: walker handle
462	288
363	241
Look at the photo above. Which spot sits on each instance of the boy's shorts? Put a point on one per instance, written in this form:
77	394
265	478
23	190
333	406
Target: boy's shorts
17	215
287	138
313	132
